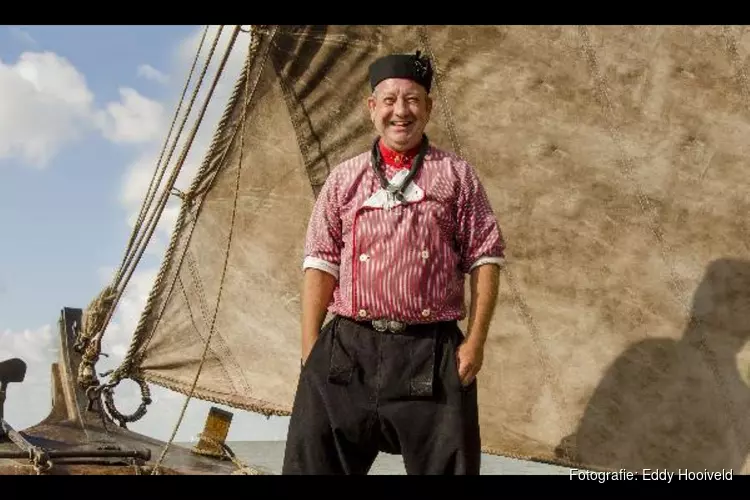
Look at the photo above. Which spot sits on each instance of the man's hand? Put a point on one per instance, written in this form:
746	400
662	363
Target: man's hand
470	358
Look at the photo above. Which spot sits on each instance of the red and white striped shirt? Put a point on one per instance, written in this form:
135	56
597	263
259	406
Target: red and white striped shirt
407	262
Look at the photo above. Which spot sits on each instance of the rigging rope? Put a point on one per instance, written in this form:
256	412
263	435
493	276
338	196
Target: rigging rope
156	215
242	467
124	370
226	255
93	338
139	338
105	391
159	172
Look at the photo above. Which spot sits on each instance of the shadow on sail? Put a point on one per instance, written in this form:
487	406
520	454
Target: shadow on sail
677	403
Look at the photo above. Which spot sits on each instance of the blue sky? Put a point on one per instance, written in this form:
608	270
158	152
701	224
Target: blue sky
84	112
64	222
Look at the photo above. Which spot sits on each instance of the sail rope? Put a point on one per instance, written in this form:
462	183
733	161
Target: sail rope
158	175
242	467
159	172
227	452
243	122
146	235
99	313
117	375
140	336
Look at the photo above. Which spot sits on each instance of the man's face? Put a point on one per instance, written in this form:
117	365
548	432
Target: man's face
400	110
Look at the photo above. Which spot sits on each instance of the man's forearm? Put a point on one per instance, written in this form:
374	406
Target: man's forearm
317	293
484	289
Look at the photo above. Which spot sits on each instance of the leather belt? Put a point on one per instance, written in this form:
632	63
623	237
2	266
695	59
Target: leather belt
382	325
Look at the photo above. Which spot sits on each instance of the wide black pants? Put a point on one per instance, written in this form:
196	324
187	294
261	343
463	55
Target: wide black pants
362	391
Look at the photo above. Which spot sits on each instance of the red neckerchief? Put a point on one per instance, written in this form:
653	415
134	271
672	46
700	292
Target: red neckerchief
396	159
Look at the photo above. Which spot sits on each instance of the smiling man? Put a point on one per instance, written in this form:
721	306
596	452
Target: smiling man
393	234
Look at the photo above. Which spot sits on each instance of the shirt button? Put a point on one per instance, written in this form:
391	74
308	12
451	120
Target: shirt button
362	313
426	313
425	254
364	257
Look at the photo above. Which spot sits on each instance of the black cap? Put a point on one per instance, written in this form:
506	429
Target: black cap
411	66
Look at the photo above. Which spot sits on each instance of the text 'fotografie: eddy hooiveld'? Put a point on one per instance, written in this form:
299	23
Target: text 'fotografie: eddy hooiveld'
652	475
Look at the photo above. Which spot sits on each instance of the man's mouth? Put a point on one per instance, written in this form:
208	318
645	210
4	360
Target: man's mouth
401	123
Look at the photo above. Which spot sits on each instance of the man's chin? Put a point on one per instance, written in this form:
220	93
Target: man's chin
402	142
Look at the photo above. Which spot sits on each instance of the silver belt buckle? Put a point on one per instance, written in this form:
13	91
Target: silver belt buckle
382	325
396	326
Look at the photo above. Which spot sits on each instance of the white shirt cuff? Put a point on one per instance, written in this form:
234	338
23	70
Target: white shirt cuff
498	261
322	265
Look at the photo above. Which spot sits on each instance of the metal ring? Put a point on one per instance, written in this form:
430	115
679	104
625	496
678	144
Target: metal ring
107	391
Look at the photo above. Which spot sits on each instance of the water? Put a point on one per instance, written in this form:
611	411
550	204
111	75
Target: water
269	456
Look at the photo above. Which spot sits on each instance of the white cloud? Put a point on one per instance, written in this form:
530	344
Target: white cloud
29	401
45	104
135	119
150	73
33	346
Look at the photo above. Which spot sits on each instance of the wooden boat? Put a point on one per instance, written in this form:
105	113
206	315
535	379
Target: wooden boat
78	438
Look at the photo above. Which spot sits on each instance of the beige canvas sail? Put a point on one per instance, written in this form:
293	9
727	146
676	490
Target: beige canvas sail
616	161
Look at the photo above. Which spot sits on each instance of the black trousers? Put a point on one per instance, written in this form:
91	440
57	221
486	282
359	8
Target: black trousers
362	392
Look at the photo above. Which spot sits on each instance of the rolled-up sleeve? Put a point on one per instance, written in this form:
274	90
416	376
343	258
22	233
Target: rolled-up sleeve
323	242
480	239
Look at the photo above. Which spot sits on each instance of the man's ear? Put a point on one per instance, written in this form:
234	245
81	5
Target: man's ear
371	103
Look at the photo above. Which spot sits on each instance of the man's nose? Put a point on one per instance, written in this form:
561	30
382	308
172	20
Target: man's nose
400	107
